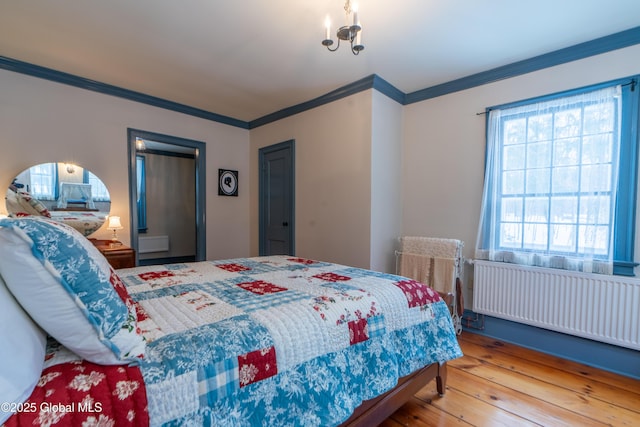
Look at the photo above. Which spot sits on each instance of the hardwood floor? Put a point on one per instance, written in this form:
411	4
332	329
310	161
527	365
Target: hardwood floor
500	384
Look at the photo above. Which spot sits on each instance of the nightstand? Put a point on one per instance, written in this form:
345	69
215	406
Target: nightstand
118	255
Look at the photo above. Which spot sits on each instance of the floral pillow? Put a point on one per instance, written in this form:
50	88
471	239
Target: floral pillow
32	205
69	289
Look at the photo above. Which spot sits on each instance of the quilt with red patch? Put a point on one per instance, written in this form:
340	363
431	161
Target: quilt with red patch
263	341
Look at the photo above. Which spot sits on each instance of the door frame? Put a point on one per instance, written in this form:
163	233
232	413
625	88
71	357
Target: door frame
262	203
200	182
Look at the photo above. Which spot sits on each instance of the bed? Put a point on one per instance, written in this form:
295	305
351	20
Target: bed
276	340
85	221
20	203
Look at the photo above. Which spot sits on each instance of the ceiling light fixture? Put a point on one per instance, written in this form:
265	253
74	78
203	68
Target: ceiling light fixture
351	32
140	145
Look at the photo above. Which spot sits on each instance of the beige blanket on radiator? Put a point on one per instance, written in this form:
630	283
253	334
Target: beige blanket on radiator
431	246
438	273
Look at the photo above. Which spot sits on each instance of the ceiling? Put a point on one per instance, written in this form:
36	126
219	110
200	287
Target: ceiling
247	59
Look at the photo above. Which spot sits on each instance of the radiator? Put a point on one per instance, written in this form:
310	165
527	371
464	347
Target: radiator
148	244
598	307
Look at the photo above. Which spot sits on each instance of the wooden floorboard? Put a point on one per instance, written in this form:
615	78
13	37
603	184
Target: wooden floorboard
500	384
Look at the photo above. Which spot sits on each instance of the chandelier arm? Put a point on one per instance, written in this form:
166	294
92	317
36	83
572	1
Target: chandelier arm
356	48
336	48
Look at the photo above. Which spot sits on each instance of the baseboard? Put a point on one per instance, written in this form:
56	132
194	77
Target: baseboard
620	360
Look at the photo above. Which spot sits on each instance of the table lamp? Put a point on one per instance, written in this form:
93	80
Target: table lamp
114	224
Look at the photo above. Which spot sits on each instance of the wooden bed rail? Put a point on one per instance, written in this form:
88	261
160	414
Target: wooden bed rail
375	411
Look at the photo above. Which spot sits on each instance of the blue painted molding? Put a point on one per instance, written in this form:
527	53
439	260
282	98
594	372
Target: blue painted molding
373	81
583	50
344	91
580	51
388	89
620	360
107	89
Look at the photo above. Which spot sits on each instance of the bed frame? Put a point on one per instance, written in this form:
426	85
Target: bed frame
375	411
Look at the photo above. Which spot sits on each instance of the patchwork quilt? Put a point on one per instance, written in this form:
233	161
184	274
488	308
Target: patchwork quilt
254	341
86	222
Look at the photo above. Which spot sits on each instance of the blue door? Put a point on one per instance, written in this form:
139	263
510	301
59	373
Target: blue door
277	206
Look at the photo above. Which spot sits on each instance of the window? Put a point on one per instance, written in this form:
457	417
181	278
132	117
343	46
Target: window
43	179
99	191
560	181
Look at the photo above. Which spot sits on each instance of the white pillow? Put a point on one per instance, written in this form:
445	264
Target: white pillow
12	204
69	289
22	349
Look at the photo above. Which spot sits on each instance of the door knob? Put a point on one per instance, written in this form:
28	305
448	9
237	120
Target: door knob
285	224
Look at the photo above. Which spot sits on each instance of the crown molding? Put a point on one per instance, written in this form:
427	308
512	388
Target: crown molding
580	51
342	92
107	89
573	53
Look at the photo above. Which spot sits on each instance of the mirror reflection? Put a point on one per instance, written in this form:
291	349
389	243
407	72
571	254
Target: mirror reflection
62	191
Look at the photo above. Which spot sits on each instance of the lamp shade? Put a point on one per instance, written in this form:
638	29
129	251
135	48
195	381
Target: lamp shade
114	223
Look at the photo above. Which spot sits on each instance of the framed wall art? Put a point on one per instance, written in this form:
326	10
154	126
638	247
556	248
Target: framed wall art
227	182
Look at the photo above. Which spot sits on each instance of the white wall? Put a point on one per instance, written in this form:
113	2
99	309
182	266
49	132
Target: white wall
332	179
341	200
386	182
444	143
43	121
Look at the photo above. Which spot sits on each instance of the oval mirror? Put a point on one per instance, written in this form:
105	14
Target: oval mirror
61	191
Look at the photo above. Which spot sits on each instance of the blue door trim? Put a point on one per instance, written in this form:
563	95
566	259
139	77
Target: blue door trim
201	183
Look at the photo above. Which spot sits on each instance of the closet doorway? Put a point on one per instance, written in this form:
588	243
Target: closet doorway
167	198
